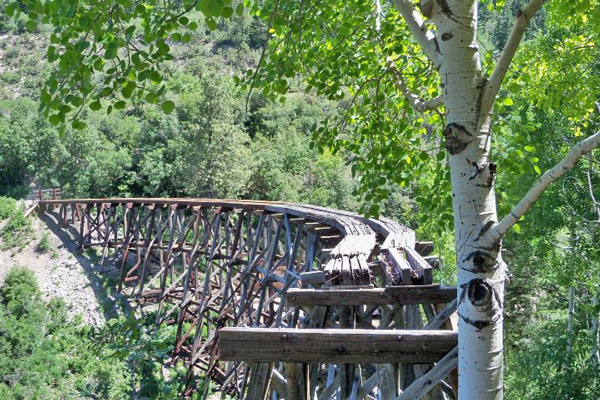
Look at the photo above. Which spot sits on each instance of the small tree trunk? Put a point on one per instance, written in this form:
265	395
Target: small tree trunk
571	317
595	334
481	272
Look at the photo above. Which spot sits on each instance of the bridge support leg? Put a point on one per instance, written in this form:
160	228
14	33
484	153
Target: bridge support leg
348	371
260	380
297	385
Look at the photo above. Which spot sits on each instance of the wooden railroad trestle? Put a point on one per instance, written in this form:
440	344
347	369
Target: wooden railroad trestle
278	300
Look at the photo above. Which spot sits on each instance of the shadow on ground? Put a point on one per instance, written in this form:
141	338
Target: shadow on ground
103	278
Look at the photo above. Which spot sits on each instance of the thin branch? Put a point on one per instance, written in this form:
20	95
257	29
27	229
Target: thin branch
425	37
418	104
262	53
567	163
522	18
378	15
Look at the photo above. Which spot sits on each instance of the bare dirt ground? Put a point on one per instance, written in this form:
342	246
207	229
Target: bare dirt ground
65	271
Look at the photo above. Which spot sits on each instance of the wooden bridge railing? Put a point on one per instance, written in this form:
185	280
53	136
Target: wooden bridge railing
226	271
45	194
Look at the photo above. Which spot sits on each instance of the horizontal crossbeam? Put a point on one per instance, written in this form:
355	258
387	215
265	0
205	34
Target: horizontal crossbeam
406	294
335	345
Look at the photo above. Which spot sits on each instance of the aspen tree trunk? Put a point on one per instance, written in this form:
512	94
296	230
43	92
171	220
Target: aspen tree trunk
481	272
595	334
571	318
469	98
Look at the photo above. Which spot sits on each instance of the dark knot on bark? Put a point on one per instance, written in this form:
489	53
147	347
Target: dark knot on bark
482	262
457	138
484	174
479	292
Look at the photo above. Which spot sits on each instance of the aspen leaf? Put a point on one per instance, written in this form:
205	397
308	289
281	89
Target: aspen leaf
212	25
507	102
167	106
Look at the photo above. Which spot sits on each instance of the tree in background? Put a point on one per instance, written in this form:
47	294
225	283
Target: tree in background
402	74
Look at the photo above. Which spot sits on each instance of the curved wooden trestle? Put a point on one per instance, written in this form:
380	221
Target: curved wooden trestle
278	300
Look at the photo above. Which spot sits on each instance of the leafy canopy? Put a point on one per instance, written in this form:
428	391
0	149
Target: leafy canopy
358	53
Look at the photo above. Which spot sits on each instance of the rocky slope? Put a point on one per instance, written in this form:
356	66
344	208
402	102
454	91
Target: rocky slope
64	271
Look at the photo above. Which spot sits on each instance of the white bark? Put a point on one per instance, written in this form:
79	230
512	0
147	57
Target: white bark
571	317
480	267
418	28
595	333
415	101
566	164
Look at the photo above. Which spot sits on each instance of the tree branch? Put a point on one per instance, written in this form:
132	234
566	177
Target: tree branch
567	163
591	190
418	103
424	37
522	18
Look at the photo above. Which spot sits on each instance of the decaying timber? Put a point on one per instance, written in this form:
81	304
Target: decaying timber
238	273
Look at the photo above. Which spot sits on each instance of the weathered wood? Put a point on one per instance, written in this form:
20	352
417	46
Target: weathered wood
406	294
347	371
434	261
334	345
211	263
313	278
424	248
425	383
31	210
442	317
396	267
419	265
297	376
260	379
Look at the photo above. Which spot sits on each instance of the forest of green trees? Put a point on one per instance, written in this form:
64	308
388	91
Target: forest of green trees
222	141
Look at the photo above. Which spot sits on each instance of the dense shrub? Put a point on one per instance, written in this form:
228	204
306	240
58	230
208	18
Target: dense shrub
17	231
43	355
8	207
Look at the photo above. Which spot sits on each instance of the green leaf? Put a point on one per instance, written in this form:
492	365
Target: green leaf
55	119
128	89
537	169
227	12
95	106
529	149
77	101
119	105
10	9
514	88
212	25
507	102
517	228
155	77
239	10
31	25
211	8
79	125
167	106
